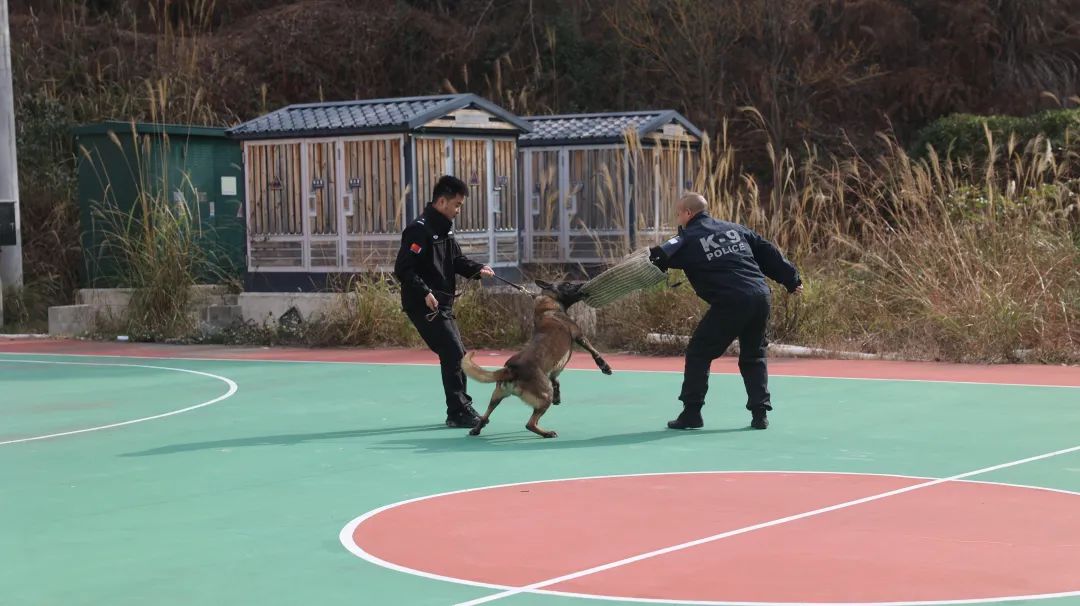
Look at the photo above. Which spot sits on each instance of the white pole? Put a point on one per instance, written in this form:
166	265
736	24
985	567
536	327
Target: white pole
11	270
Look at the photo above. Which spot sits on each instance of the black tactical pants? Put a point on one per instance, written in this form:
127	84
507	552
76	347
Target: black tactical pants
745	319
442	337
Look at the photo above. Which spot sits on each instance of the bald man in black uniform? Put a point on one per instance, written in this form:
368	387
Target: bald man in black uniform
726	264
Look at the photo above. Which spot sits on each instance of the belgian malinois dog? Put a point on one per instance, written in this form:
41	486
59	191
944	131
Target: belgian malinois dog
533	373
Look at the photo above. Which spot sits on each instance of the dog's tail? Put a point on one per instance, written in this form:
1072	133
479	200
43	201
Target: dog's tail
482	375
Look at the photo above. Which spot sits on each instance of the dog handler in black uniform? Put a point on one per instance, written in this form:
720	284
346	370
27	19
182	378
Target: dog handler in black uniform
427	266
726	263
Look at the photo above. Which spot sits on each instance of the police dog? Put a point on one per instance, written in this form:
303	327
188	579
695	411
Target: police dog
532	374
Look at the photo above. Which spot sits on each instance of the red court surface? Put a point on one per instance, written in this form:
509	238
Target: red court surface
951	541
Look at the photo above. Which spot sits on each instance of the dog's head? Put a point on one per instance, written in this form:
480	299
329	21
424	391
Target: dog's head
564	293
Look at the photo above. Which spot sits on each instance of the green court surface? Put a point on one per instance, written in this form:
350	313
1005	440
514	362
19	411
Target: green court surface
239	489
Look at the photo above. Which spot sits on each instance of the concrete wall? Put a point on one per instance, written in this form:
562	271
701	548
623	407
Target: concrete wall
268	307
71	320
214	308
211	307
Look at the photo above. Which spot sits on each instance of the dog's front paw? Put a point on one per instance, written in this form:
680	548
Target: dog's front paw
550	434
605	369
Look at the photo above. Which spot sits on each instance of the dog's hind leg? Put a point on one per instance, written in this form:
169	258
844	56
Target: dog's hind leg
534	419
556	398
497	396
540	403
600	363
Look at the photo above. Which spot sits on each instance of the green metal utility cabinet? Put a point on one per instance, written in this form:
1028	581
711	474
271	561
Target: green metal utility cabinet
194	166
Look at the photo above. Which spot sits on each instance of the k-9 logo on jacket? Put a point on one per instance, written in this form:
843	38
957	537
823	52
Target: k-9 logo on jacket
718	245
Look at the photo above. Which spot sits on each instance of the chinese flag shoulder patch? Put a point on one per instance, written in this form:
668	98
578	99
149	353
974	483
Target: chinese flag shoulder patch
415	248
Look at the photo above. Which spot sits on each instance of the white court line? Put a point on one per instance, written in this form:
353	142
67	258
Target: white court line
772	373
731	533
232	389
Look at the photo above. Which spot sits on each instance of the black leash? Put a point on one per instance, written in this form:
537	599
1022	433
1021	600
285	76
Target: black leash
432	315
517	286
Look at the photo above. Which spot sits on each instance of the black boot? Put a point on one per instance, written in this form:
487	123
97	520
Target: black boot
760	419
462	418
689	418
